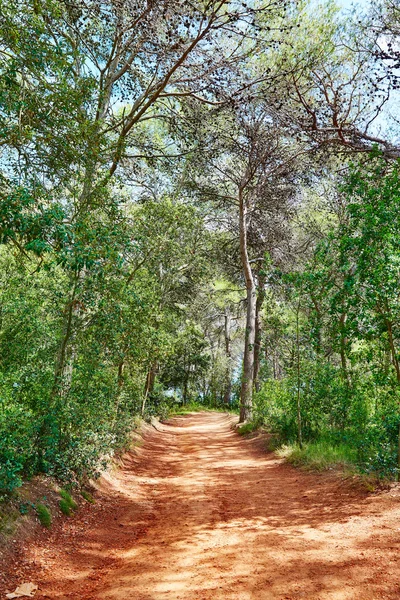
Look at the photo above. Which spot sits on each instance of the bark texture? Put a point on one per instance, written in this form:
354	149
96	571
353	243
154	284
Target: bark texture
246	392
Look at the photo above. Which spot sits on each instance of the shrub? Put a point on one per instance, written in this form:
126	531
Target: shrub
320	455
247	428
44	515
65	507
87	496
67	503
68	499
17	434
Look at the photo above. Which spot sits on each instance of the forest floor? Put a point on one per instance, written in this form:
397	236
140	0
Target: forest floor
200	513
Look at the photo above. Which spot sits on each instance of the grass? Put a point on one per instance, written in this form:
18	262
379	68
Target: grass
44	515
67	503
8	519
69	499
65	507
87	496
320	456
247	428
197	407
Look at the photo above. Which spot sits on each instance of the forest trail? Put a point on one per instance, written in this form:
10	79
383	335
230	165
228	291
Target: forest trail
199	513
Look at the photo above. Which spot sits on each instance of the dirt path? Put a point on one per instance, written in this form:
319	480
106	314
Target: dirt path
201	513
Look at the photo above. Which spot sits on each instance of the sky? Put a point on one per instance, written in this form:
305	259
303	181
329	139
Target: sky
348	4
383	124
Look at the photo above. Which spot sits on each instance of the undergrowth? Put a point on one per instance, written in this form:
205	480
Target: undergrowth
67	503
320	455
180	409
87	496
247	428
44	515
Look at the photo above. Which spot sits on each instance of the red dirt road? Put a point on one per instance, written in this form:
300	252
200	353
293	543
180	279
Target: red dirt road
199	513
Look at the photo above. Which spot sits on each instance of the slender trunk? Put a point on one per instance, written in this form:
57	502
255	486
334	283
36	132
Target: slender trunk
246	393
150	379
228	374
185	388
299	423
62	368
258	331
226	399
120	384
144	402
395	360
120	378
343	341
149	385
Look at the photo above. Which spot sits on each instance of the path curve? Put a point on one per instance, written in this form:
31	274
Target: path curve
200	513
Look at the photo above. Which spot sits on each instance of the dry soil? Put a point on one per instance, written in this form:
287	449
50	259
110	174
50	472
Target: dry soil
200	513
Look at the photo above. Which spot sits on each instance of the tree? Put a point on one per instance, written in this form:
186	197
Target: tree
250	173
187	362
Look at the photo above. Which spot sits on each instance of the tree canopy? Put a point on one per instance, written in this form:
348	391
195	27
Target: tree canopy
198	203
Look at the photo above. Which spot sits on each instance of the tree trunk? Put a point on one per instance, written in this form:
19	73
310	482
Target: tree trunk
343	341
120	378
258	331
64	367
185	388
395	360
228	373
150	379
149	385
246	392
299	423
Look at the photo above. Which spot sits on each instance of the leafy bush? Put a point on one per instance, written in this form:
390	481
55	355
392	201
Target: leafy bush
274	407
356	425
17	456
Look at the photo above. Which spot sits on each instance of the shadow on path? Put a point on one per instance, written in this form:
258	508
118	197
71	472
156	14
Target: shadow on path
201	513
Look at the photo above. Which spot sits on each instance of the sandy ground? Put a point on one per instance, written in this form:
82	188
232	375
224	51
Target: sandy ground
200	513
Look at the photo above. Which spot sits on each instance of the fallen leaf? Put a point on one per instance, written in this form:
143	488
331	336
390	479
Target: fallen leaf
26	589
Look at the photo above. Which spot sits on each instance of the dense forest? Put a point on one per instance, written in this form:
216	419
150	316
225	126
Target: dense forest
199	203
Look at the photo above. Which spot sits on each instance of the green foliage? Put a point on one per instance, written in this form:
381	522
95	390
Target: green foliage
67	425
17	434
88	497
247	428
320	455
65	507
190	407
24	507
68	499
362	421
44	515
115	291
348	293
188	362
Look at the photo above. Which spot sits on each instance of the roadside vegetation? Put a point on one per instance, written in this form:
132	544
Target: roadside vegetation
196	210
330	335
